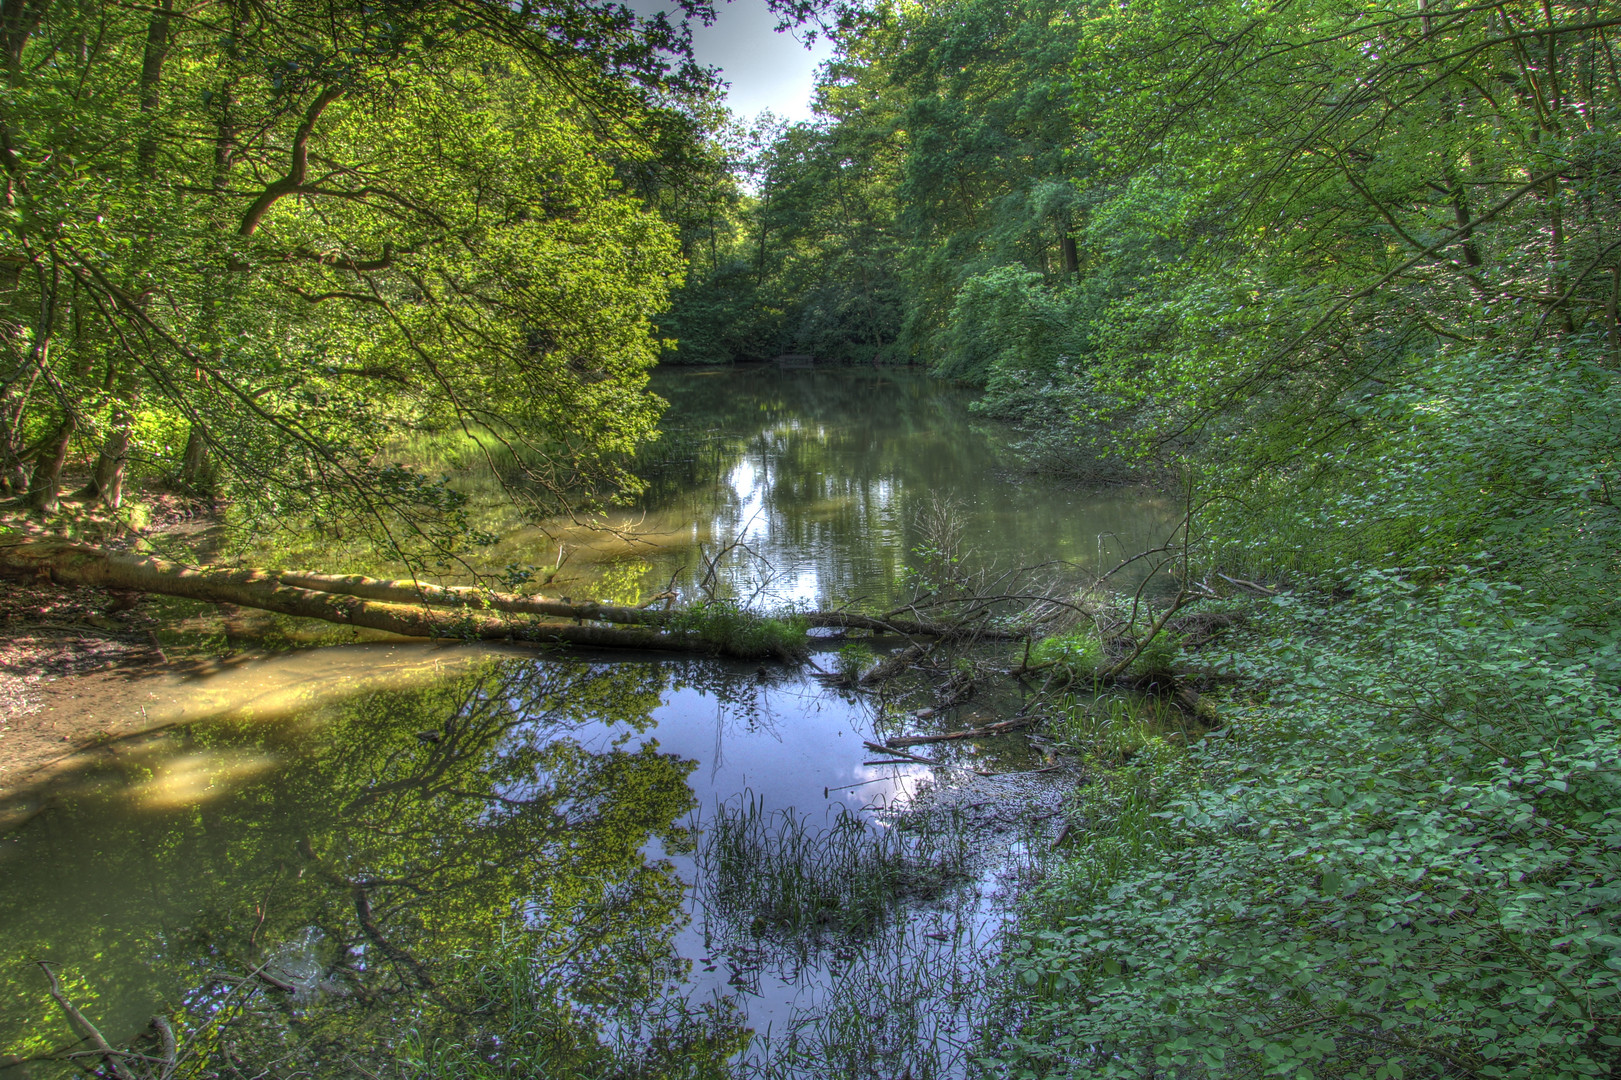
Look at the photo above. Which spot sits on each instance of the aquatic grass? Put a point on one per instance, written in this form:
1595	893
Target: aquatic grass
852	661
1114	727
773	874
910	1002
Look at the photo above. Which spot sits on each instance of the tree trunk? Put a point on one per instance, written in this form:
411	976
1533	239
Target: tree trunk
157	50
77	565
404	607
45	487
13	478
107	482
195	473
419	592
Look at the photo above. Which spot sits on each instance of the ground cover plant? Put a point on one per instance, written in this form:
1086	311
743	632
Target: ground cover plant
1399	858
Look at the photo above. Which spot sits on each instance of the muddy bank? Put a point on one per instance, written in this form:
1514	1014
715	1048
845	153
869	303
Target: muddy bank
76	668
82	671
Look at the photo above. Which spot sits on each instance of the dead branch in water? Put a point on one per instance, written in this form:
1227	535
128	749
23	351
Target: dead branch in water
83	1028
1001	728
901	755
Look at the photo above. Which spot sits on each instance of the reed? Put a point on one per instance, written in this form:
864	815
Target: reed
773	874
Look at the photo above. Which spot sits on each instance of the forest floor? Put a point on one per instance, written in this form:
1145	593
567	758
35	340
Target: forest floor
82	666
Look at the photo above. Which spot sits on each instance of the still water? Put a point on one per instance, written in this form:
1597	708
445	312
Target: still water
823	480
369	843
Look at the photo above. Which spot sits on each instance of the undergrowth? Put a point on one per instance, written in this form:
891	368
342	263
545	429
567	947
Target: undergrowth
731	629
1401	858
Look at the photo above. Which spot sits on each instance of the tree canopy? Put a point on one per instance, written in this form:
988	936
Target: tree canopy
248	244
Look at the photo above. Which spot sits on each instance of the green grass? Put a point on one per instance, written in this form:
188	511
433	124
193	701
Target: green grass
730	629
1071	658
772	874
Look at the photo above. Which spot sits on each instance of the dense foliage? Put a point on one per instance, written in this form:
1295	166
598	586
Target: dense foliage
1373	324
1350	271
247	245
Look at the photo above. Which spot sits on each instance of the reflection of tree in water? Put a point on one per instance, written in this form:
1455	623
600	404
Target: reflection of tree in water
472	871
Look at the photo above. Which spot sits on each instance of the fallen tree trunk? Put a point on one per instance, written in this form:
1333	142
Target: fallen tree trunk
79	565
418	592
413	608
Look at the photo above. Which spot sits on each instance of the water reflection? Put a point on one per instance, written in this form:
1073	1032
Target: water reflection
822	476
412	864
413	838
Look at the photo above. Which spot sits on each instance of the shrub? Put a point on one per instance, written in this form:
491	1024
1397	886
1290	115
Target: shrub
1403	861
733	630
1074	657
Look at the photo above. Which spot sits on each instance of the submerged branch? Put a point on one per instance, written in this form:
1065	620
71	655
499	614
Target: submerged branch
85	1029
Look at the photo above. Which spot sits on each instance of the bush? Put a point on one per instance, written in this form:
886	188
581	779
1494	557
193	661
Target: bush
1074	657
1405	860
733	630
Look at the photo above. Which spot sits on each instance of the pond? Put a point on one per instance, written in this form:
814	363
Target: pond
823	478
441	857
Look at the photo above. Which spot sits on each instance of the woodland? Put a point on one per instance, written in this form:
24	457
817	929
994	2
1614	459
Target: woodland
1343	275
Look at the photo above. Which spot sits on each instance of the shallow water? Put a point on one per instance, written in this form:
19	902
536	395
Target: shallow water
470	798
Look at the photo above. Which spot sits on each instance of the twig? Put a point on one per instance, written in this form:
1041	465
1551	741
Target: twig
1001	728
279	984
901	754
84	1028
1251	585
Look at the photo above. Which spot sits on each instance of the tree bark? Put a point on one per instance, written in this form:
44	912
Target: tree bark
107	481
44	488
194	470
77	565
157	50
420	592
405	607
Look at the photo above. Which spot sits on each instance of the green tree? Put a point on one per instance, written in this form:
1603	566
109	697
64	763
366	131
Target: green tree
246	247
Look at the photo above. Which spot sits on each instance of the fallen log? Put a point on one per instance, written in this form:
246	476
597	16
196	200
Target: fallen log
999	728
78	565
421	609
894	665
419	592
